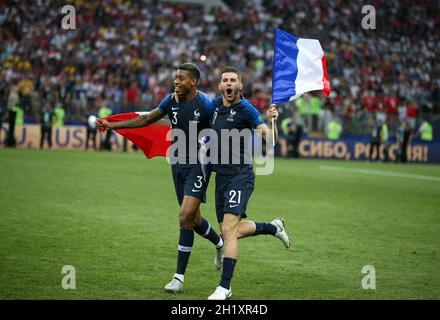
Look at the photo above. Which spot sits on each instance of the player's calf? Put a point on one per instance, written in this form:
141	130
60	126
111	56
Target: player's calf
205	230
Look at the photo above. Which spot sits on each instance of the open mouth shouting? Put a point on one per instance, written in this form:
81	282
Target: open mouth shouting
229	93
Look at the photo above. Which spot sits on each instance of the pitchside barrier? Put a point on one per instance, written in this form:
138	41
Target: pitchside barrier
358	148
73	137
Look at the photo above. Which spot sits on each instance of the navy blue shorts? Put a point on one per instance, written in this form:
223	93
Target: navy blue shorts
232	193
189	181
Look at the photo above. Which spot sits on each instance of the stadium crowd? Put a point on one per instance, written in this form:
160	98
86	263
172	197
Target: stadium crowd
123	54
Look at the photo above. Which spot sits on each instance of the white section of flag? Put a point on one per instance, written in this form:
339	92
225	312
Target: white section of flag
310	69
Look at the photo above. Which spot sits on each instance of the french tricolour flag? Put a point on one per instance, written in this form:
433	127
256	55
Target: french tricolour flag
299	67
151	139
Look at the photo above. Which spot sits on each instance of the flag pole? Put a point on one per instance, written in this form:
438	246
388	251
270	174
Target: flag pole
273	133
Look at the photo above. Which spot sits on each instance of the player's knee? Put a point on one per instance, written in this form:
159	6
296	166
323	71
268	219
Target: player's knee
197	221
227	230
186	220
185	223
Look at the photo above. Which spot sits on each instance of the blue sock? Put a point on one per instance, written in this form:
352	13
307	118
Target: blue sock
205	230
186	240
228	271
264	228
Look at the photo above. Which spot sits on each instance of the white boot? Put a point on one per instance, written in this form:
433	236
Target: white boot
281	231
174	286
220	293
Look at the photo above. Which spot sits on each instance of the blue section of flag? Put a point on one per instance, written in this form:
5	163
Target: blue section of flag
285	69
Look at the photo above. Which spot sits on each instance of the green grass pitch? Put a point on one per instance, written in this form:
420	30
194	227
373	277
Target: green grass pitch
114	217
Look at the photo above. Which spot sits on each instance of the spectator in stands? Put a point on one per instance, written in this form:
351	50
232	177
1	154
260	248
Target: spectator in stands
392	103
136	40
25	90
132	96
411	114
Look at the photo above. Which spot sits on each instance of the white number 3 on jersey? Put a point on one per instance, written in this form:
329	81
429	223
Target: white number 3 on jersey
199	182
174	119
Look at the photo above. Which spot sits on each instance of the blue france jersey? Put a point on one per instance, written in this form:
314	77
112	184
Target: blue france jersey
199	111
243	117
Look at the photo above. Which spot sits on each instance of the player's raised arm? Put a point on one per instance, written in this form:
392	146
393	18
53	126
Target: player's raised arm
266	130
141	121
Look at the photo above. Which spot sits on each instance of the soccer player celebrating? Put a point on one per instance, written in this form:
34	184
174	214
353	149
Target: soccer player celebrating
234	183
191	107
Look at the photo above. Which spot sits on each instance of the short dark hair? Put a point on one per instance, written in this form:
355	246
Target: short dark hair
231	69
192	68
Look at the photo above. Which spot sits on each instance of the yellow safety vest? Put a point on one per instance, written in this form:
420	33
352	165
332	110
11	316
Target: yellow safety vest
105	112
59	117
426	132
384	133
334	130
19	117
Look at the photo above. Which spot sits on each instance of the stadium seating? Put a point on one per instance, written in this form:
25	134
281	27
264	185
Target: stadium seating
124	53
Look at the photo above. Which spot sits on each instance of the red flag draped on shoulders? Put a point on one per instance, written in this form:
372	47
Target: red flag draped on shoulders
151	139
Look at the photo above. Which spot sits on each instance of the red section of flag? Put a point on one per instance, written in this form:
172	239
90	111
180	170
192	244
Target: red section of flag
325	77
151	139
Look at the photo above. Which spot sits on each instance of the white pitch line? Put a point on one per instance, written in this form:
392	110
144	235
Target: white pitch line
381	173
